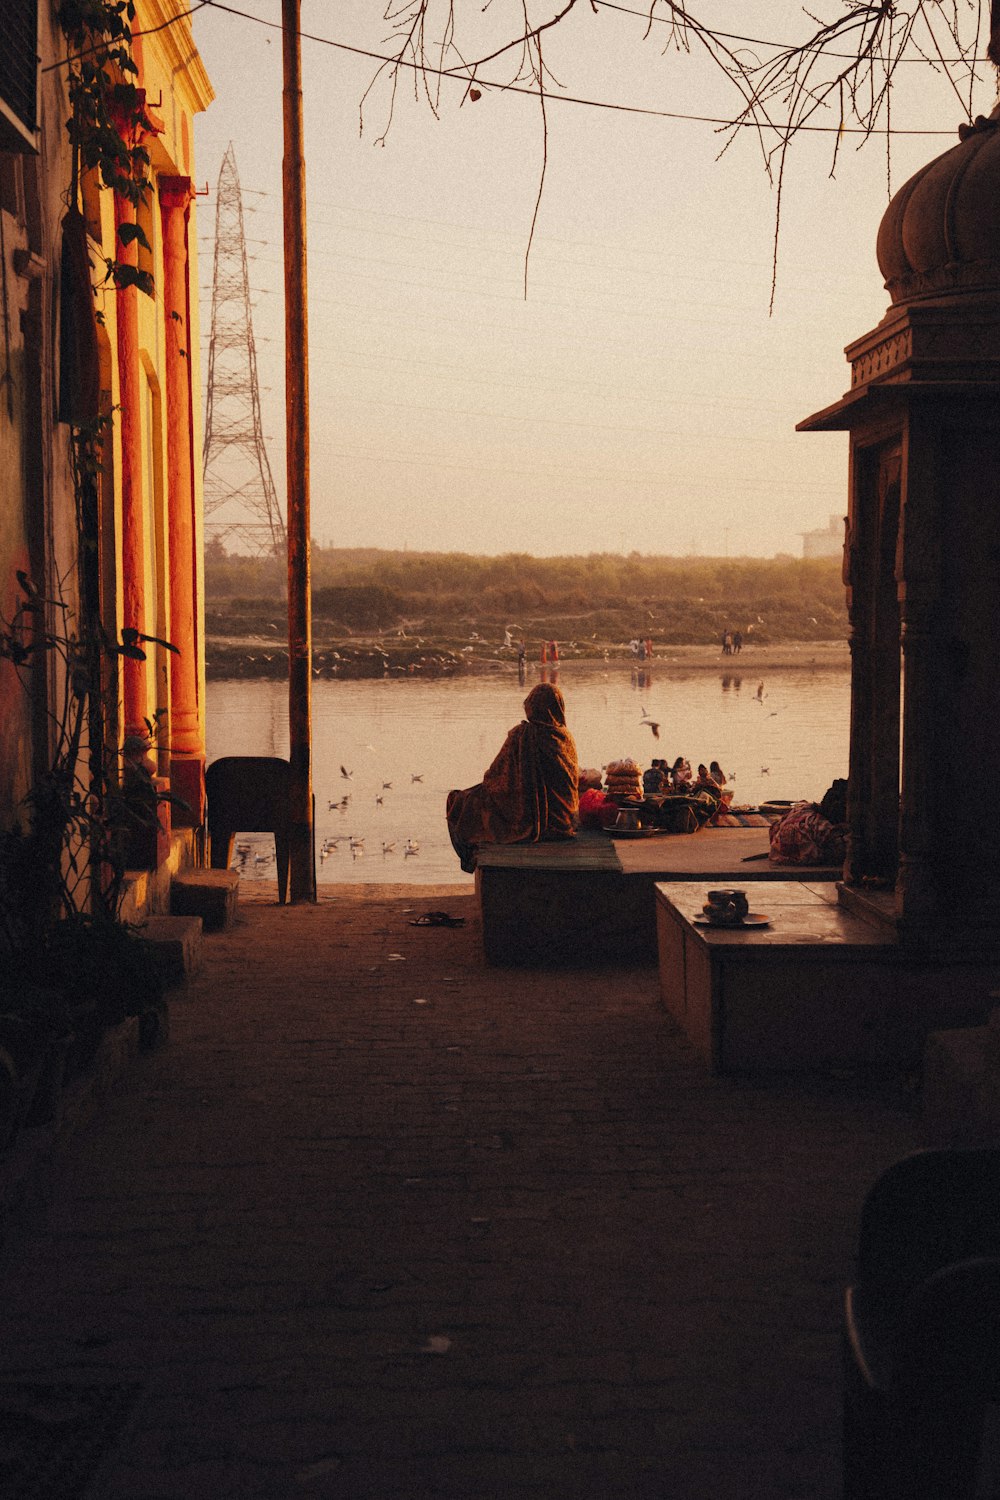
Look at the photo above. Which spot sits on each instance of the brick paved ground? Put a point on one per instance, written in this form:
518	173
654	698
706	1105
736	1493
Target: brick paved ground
383	1223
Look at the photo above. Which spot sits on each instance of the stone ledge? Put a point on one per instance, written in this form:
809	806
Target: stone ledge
960	1103
177	941
209	894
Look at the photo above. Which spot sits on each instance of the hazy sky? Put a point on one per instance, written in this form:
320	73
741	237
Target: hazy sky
641	397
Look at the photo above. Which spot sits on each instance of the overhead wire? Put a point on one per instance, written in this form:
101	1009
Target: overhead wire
73	57
464	77
758	41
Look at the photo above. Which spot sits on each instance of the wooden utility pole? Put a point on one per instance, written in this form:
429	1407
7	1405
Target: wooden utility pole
302	863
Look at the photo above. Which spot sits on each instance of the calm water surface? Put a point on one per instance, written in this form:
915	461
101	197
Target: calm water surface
425	737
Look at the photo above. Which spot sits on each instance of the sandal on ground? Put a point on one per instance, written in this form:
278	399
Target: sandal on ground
437	919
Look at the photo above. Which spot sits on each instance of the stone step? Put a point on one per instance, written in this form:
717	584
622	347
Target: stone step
177	941
209	894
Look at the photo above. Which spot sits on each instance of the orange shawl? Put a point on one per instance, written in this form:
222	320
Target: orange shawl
530	790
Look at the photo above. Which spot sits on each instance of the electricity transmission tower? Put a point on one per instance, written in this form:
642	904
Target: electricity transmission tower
241	507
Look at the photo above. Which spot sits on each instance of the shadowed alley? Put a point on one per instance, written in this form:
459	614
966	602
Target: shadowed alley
383	1222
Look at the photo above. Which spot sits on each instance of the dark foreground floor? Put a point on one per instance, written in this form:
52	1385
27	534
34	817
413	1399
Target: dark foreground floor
382	1223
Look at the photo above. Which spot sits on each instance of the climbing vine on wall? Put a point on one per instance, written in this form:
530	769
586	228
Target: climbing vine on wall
108	116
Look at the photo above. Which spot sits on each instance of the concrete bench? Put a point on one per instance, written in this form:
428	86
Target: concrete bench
592	899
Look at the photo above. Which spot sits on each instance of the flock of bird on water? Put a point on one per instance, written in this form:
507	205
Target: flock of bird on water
356	842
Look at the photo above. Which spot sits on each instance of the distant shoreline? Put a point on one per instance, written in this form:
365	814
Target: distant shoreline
784	654
250	659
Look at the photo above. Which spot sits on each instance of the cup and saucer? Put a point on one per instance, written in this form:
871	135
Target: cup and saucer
729	909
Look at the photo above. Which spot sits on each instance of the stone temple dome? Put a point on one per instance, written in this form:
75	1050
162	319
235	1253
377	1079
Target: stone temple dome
940	236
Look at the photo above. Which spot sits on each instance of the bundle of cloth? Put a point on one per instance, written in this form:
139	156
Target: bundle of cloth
812	833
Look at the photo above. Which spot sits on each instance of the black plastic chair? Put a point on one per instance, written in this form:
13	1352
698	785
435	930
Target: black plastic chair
922	1328
250	794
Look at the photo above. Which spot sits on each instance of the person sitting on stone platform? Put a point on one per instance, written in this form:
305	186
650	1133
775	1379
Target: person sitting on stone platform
530	792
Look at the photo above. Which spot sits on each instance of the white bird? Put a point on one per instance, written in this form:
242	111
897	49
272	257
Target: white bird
379	799
388	848
356	843
411	847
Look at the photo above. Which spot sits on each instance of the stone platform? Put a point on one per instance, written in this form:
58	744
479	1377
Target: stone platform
592	898
818	987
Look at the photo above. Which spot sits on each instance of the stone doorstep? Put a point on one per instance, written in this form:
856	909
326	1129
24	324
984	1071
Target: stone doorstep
960	1097
177	941
209	894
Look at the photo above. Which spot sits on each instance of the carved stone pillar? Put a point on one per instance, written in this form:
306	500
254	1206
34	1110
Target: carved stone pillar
134	675
919	893
858	610
186	720
869	575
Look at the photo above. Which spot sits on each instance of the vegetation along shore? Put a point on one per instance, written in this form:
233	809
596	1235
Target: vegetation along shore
378	612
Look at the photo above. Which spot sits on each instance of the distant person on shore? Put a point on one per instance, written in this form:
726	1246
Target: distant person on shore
737	642
680	774
653	780
530	792
717	774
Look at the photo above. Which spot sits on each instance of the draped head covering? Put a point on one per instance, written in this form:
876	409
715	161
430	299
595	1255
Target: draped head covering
529	792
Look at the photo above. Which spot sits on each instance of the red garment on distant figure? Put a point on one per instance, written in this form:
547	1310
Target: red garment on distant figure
529	792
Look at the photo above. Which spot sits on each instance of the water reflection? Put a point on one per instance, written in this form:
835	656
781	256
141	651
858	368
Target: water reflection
407	741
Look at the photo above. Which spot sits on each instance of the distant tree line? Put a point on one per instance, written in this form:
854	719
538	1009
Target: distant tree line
682	599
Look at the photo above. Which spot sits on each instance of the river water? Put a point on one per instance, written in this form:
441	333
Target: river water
424	737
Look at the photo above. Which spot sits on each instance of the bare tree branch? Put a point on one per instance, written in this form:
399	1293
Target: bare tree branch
844	69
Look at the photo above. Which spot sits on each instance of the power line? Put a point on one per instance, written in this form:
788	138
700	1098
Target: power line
759	41
181	15
464	78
